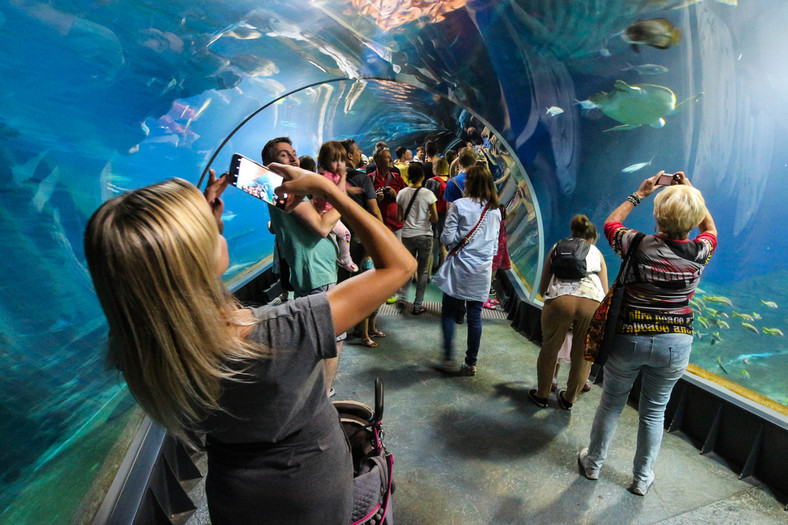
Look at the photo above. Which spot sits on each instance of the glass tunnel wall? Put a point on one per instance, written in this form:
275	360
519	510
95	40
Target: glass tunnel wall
104	96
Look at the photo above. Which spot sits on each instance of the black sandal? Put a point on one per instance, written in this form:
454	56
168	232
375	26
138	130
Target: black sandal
541	402
562	402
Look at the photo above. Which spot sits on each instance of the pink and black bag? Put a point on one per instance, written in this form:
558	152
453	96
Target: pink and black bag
372	463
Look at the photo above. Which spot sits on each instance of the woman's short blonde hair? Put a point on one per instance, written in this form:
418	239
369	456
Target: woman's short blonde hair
152	254
678	209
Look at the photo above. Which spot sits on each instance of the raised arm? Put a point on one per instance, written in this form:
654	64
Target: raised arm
646	188
707	224
355	299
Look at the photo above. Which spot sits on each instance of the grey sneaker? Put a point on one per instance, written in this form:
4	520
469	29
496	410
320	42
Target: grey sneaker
467	370
582	461
640	488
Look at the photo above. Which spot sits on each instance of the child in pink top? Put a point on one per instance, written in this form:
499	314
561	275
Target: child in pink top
331	164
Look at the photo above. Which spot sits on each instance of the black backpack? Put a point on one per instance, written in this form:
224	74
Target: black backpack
569	259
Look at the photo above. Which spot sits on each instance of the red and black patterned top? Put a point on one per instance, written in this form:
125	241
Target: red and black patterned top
661	280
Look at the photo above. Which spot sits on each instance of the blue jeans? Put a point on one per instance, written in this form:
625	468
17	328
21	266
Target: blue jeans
451	306
662	358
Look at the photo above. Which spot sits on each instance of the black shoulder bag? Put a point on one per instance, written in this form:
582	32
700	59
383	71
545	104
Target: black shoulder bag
601	334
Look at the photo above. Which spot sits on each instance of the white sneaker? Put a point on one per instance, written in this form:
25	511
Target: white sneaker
640	488
582	461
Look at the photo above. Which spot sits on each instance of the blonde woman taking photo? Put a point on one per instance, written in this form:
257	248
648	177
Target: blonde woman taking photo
654	333
251	380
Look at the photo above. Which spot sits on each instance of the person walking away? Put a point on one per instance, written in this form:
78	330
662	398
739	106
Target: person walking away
574	282
437	185
471	233
455	188
654	334
417	211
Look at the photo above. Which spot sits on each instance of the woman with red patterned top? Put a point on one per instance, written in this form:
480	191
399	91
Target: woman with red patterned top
654	334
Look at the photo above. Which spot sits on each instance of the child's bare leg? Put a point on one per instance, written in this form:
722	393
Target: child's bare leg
343	239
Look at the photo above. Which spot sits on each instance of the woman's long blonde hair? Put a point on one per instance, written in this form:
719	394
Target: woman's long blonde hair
173	327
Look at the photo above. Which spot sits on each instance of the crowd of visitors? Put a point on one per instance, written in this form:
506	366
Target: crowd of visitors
257	382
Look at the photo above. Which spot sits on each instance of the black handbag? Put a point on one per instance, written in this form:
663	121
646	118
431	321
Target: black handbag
601	334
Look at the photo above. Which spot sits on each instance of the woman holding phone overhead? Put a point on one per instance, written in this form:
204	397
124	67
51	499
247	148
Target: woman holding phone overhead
654	332
251	380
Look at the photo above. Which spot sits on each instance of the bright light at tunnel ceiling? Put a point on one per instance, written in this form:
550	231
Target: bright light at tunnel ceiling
390	14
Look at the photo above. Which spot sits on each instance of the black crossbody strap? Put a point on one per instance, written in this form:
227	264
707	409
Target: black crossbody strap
629	257
410	204
463	243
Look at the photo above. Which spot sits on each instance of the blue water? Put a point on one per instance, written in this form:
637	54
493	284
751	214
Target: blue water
102	96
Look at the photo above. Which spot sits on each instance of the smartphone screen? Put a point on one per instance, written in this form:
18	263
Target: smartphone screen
256	180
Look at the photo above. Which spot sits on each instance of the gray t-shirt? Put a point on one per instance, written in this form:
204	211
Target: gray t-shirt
278	454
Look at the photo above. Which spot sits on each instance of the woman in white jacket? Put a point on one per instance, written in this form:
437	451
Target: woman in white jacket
471	234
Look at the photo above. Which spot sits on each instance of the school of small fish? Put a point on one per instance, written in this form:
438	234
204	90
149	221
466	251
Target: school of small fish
711	321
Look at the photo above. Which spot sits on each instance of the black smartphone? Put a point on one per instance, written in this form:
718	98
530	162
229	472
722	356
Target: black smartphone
256	180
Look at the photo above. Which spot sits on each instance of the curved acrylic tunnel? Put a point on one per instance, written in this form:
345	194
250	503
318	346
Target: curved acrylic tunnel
104	96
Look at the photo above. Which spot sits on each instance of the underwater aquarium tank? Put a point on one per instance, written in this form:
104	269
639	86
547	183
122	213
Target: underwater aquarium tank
582	100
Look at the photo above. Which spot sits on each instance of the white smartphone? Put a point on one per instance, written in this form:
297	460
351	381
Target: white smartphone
256	180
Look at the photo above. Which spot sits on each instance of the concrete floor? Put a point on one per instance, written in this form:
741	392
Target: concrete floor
475	450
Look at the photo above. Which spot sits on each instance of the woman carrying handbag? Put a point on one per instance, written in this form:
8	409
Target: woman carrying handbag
471	233
654	327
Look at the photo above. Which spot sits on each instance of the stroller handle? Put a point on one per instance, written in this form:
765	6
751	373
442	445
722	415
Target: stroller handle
378	399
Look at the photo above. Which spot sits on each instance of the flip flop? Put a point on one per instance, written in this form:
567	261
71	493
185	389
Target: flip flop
377	333
368	342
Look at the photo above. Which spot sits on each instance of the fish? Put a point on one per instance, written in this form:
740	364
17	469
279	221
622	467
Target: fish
715	337
756	315
773	331
605	53
747	357
770	304
646	69
654	32
554	110
750	327
586	104
723	324
719	299
635	167
697	302
719	363
746	317
745	373
703	322
641	105
711	311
